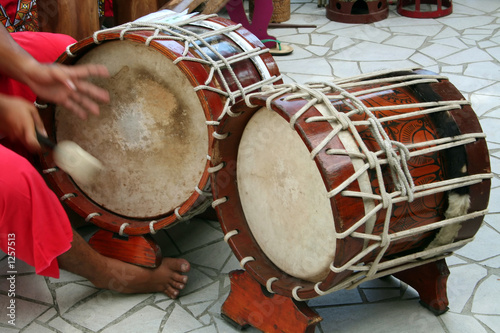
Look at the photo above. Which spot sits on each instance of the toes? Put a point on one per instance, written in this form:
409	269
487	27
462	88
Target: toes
172	292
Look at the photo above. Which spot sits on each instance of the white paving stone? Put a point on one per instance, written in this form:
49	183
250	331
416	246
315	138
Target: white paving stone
198	309
36	328
209	329
184	234
342	296
368	51
461	324
342	42
461	284
50	314
468	84
322	39
63	326
147	319
494	206
483	246
493	322
30	286
210	292
364	32
481	104
437	51
487	296
450	41
213	256
399	316
405	41
102	309
23	313
462	23
306	66
485	70
472	54
490	127
70	294
180	321
486	6
318	50
197	280
464	46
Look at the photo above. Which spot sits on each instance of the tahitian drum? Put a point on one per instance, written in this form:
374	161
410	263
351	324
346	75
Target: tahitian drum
169	85
320	187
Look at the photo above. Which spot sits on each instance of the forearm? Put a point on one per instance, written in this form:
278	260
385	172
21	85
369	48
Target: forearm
14	60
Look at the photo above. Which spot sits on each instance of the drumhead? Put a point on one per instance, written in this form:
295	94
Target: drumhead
284	198
151	137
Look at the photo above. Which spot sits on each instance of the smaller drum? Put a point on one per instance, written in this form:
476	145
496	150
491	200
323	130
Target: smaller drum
170	83
357	11
425	8
323	186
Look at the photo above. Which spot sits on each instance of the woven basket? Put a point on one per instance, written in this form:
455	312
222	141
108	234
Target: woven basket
281	10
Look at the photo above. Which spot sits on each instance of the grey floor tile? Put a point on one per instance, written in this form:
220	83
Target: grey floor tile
400	316
19	312
492	322
486	297
100	310
461	324
180	321
462	283
147	319
464	46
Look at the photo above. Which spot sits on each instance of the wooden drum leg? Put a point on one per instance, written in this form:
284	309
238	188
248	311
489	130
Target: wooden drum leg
138	250
430	282
249	305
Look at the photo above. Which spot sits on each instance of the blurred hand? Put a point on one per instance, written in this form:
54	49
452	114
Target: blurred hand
18	119
68	86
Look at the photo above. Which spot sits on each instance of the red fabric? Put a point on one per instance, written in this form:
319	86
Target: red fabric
28	208
108	8
33	213
10	7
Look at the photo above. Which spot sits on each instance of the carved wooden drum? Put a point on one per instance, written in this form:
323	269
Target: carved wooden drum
169	85
320	187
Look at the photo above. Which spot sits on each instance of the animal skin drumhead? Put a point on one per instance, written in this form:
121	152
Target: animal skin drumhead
284	198
151	137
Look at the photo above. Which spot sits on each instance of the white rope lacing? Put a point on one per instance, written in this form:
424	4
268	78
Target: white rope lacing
210	56
391	153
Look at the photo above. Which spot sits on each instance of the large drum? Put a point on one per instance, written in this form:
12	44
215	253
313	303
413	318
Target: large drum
323	186
170	83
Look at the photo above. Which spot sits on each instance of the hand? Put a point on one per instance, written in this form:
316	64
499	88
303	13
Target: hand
18	119
68	86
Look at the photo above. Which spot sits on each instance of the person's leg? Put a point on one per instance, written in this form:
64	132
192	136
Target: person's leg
32	215
108	273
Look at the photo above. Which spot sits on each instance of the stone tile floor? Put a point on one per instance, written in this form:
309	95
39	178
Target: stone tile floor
464	46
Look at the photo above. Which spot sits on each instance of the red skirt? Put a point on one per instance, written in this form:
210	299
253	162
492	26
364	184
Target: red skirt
33	224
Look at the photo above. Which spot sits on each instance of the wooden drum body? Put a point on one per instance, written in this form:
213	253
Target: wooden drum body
323	186
169	85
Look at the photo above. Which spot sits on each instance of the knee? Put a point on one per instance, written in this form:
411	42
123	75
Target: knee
17	175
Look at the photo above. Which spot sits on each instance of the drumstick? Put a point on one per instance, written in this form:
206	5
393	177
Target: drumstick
73	160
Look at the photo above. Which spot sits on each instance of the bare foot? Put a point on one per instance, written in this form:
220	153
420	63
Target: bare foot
168	278
113	274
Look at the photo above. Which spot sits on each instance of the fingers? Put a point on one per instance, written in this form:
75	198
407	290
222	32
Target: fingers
68	86
79	72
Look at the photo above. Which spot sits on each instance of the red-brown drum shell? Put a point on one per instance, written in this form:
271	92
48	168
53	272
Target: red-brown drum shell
346	210
211	102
